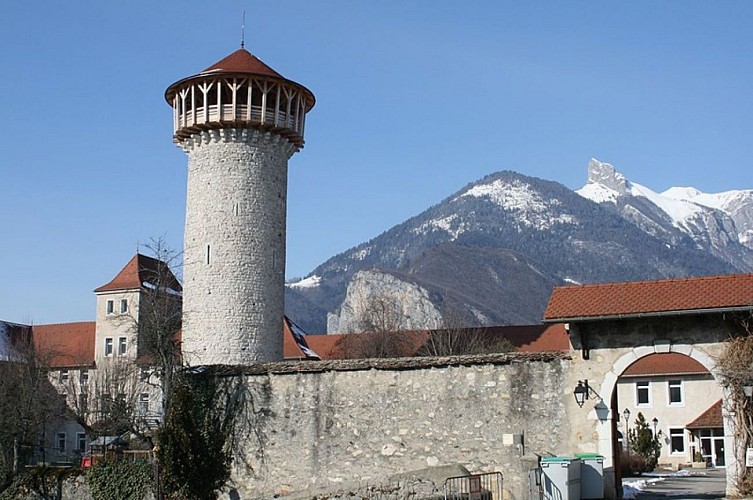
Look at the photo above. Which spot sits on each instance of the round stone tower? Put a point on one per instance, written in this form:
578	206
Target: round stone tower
239	121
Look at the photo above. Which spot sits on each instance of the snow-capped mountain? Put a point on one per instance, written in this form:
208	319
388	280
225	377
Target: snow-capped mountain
495	248
737	204
721	224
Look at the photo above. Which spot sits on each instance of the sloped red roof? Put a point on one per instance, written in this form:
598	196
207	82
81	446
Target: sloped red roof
630	299
139	270
711	418
531	338
669	363
242	61
65	344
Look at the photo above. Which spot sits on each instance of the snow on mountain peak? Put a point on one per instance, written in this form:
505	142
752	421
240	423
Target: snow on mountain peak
604	174
531	208
606	184
310	282
682	193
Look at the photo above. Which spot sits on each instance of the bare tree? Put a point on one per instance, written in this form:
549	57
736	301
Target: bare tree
117	395
380	317
159	318
27	402
108	400
735	369
457	337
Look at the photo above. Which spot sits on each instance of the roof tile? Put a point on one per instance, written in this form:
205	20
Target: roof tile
65	344
530	338
711	418
670	363
242	61
646	297
139	270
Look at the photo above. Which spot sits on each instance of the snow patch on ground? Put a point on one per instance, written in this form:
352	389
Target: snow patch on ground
310	282
633	488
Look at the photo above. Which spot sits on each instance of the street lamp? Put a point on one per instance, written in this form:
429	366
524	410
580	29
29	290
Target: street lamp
655	421
581	392
626	414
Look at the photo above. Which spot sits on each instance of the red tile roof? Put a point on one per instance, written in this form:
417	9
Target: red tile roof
670	363
242	61
533	338
139	270
65	344
711	418
569	303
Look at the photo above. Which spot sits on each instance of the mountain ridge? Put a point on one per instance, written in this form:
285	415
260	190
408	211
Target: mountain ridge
471	248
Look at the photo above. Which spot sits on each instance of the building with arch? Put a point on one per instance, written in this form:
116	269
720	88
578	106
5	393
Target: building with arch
616	326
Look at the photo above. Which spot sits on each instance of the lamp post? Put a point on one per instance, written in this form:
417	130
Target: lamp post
655	421
581	392
626	414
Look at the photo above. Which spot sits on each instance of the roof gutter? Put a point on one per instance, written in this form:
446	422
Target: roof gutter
584	319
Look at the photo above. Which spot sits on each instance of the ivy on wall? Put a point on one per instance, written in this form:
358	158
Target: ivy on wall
195	443
110	480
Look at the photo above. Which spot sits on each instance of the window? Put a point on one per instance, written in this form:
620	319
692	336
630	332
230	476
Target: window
84	376
104	403
123	306
64	375
60	442
143	403
144	374
122	346
110	307
675	392
80	442
83	402
642	394
108	346
677	440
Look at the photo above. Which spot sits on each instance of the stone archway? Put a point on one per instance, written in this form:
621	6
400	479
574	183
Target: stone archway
607	417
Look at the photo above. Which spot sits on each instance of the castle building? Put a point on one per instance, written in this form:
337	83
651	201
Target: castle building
239	121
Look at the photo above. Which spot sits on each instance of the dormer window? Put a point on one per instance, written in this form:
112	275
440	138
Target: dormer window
123	306
110	306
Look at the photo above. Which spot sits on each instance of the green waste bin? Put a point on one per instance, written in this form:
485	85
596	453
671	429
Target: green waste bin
591	475
560	477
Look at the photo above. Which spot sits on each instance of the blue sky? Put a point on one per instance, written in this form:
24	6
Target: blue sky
415	99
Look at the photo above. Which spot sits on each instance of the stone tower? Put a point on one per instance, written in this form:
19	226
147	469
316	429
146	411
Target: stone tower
239	121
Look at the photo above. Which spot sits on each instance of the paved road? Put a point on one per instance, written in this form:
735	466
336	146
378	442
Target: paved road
708	483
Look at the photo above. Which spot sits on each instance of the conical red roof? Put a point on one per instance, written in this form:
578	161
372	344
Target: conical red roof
242	61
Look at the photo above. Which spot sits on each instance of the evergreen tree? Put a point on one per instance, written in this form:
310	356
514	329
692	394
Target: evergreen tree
643	442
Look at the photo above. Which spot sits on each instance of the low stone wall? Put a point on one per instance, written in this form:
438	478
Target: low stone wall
324	425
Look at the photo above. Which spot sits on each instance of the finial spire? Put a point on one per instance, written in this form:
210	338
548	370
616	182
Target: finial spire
243	30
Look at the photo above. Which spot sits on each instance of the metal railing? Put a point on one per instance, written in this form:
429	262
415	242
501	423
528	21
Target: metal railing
483	486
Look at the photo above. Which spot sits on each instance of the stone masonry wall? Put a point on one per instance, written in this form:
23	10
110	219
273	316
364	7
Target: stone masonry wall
234	251
320	426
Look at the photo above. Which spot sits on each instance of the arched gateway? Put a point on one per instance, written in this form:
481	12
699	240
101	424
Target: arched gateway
614	325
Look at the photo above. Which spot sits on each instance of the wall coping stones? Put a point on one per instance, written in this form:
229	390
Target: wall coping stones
393	364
